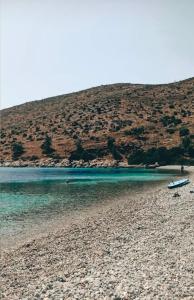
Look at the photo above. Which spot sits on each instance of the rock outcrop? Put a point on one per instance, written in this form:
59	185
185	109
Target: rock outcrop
64	163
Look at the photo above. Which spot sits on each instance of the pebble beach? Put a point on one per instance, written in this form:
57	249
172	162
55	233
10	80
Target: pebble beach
141	249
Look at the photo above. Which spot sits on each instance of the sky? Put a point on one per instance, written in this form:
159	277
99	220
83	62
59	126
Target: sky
53	47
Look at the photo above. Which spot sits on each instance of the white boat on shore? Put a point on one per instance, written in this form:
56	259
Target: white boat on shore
178	183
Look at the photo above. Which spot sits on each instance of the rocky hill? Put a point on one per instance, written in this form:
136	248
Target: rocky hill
106	122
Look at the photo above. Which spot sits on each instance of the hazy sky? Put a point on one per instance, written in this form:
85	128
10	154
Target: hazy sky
51	47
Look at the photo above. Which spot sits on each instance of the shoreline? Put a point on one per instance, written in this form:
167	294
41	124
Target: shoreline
68	218
129	249
66	163
74	217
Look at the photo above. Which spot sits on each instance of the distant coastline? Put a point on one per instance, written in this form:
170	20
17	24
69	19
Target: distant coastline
65	163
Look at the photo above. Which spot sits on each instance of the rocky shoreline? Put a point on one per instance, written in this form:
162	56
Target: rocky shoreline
139	248
66	163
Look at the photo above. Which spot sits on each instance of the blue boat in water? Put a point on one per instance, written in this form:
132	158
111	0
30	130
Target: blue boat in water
178	183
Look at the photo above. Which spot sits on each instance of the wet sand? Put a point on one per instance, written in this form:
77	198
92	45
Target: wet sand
141	249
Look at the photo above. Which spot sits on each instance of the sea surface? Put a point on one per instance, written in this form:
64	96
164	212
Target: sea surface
34	196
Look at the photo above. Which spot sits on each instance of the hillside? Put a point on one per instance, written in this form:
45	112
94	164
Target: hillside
111	121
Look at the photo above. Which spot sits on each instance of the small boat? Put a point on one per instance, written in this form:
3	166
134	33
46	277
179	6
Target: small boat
152	166
178	183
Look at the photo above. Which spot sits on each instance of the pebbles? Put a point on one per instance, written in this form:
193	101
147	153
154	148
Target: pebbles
135	250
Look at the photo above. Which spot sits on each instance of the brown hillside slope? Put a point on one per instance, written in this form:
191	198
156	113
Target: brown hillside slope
93	115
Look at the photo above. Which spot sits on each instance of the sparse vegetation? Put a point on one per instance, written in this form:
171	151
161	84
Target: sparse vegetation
47	146
137	131
171	130
113	149
17	150
186	142
161	155
81	153
170	120
33	157
134	116
183	131
191	151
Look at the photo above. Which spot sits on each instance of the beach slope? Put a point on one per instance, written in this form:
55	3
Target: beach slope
140	250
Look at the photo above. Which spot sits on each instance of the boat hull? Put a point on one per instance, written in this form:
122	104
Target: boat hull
178	183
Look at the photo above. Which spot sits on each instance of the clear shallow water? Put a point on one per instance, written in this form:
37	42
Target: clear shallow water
32	195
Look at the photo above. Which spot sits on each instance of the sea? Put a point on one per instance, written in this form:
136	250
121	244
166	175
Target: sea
31	197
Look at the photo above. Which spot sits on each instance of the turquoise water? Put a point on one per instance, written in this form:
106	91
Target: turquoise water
34	195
